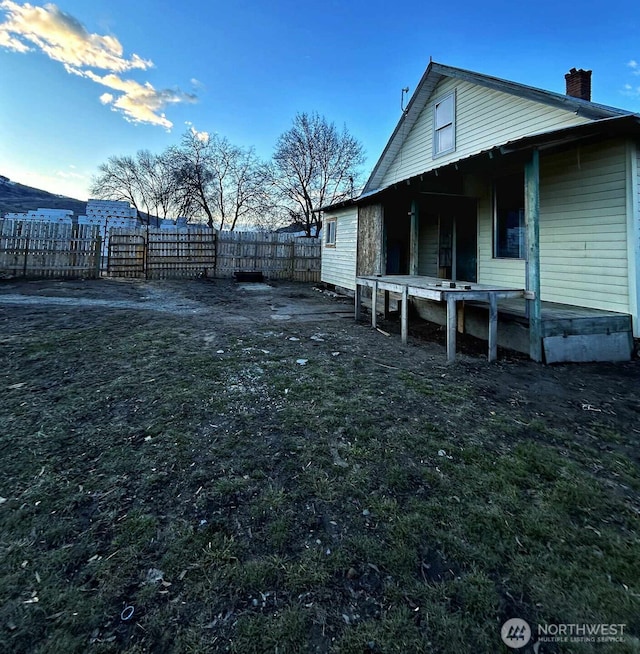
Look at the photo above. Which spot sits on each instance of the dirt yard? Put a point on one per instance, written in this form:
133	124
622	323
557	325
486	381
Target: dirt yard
206	466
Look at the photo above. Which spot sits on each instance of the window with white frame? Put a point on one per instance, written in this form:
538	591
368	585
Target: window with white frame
330	227
509	232
444	125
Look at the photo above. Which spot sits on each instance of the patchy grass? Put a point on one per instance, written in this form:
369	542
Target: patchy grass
367	501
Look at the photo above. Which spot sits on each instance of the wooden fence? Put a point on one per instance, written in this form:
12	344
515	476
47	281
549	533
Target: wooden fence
40	249
276	256
188	253
48	249
161	253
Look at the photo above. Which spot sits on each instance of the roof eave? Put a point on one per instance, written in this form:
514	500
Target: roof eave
613	127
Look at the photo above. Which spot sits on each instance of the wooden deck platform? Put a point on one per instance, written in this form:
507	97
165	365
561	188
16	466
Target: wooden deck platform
568	333
564	319
573	333
437	290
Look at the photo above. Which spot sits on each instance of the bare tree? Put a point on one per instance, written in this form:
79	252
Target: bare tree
241	186
315	165
146	181
118	179
191	165
158	183
227	182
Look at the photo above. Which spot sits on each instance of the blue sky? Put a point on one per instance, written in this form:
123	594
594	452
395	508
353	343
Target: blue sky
81	81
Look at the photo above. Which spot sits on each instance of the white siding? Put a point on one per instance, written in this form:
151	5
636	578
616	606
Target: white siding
339	262
583	231
484	118
583	227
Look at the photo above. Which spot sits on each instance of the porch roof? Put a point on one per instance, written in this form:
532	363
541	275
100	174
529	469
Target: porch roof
628	125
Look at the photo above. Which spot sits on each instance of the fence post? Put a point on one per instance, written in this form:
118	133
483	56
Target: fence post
145	253
73	246
98	256
293	260
26	254
215	253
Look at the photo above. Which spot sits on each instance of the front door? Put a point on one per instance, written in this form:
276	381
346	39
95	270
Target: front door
467	247
446	247
458	241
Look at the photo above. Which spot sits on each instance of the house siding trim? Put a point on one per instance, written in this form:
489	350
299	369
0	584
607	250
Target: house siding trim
633	232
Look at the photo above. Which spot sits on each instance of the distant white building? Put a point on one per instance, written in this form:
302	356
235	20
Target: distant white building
108	214
44	215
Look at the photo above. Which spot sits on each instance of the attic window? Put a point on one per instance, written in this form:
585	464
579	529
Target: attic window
444	125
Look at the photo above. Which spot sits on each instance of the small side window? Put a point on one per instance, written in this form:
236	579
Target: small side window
330	227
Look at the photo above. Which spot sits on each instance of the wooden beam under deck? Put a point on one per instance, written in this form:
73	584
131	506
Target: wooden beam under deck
438	290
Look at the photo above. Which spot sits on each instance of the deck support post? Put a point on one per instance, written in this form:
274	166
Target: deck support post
493	327
386	305
358	302
404	315
374	302
532	215
413	239
452	321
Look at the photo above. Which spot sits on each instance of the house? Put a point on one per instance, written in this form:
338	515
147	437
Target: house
504	186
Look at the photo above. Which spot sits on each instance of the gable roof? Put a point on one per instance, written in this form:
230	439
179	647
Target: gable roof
436	72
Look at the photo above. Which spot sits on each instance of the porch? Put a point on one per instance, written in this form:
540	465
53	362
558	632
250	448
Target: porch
499	316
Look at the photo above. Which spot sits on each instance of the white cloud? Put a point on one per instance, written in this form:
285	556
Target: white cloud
631	91
201	136
70	175
140	103
64	39
632	64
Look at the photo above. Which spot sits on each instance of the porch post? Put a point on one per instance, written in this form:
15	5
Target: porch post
413	239
532	217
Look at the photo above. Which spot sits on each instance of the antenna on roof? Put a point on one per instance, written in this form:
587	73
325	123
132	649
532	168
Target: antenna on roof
402	107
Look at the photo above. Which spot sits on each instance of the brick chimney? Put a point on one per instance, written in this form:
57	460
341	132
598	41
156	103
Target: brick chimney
579	83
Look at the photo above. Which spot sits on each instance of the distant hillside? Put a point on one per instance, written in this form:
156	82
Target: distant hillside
16	197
